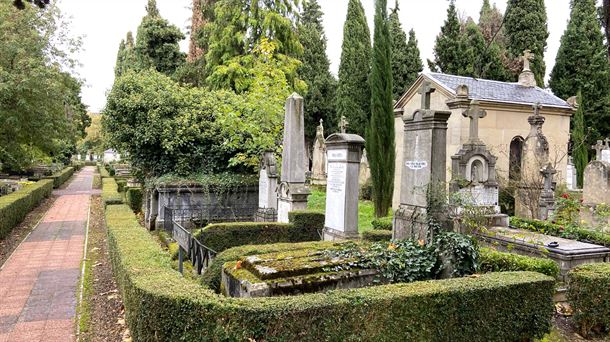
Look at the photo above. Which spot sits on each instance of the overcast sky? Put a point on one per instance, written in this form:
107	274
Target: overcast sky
104	23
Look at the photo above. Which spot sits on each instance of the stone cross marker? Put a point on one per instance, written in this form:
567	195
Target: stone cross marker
318	169
344	152
598	147
424	155
547	197
474	113
343	124
526	58
426	91
292	191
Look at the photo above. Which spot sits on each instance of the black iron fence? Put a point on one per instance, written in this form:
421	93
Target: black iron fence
199	254
202	215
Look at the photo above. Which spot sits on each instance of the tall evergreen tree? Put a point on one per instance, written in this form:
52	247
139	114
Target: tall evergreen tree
448	52
582	64
401	72
157	42
490	23
526	29
353	90
414	63
380	133
580	152
481	60
606	22
126	58
315	70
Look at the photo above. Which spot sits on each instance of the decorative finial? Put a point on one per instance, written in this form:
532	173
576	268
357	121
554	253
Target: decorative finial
526	58
343	124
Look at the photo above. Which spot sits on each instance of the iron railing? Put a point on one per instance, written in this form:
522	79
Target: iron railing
199	254
202	215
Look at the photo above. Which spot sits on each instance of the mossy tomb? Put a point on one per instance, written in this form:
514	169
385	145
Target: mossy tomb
292	273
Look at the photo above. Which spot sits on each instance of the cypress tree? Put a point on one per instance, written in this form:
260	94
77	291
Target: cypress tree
581	64
157	42
490	23
380	133
353	90
400	63
126	58
414	63
526	29
315	71
120	56
580	152
448	52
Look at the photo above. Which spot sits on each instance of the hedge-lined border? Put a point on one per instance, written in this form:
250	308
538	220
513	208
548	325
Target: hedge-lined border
15	206
589	295
163	306
133	198
61	177
491	260
568	232
377	235
110	193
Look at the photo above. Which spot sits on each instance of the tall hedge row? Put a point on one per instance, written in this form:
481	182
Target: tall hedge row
110	192
163	306
14	207
61	177
589	295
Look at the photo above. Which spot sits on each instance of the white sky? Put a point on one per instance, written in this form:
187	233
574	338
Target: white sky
104	23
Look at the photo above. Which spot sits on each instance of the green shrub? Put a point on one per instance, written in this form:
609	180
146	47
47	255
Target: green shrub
97	182
103	172
493	261
90	163
589	295
161	305
133	196
303	226
61	177
383	223
567	231
121	184
110	193
15	206
77	165
377	235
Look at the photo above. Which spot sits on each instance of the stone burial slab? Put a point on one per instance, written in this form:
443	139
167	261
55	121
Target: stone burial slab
292	273
344	153
565	252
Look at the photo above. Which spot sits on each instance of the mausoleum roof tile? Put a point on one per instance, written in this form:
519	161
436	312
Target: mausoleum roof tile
498	91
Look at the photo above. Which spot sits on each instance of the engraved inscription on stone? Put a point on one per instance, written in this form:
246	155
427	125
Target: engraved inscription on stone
416	164
335	195
337	155
480	196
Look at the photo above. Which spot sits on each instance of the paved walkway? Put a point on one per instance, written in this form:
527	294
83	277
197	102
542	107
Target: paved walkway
39	283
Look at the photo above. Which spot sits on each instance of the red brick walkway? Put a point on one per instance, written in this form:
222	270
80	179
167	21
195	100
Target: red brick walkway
39	283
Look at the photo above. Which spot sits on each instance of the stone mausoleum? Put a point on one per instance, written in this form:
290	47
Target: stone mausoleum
508	106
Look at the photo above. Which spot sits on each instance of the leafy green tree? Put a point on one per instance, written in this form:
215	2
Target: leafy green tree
479	59
40	106
20	4
315	71
353	90
380	134
240	25
580	152
126	58
526	29
448	51
157	43
490	23
406	63
582	64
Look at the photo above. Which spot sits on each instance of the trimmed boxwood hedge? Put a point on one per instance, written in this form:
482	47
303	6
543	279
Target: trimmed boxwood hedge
110	193
133	197
161	305
377	235
303	226
61	177
589	295
103	172
491	260
121	184
382	223
568	232
15	206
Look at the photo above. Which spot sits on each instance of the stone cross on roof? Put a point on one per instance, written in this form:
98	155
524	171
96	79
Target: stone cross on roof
474	113
598	149
343	123
536	120
526	58
607	144
426	91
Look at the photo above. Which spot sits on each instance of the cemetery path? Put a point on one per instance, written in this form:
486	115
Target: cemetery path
39	282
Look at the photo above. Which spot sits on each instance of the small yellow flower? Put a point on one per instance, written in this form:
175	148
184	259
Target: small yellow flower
238	265
391	247
421	242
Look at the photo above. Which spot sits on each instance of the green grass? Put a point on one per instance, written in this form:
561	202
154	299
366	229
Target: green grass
366	211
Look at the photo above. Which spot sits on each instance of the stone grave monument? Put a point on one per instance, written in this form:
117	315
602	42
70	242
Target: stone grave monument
473	171
596	193
318	169
598	147
571	180
424	167
605	154
344	152
267	188
292	191
547	197
365	169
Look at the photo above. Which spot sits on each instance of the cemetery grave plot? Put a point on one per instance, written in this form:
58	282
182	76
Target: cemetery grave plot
292	273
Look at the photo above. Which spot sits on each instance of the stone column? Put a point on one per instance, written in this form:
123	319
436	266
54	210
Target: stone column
424	167
344	152
267	188
292	192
